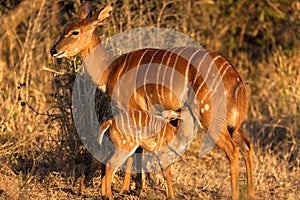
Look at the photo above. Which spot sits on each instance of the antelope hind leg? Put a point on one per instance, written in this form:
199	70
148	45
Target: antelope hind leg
127	177
231	149
117	159
248	150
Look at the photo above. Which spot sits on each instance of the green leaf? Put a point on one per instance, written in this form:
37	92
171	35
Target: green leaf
16	113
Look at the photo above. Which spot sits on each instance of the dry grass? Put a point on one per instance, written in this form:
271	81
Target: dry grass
40	154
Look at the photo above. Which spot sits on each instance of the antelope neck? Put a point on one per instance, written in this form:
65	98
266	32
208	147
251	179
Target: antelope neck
96	60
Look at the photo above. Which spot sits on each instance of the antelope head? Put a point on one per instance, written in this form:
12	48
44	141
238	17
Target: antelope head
80	37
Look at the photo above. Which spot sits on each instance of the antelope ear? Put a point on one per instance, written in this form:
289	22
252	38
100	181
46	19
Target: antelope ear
85	10
104	14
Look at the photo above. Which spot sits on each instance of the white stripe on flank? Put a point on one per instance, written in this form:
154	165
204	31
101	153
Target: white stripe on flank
128	120
158	83
219	81
237	91
220	69
139	126
162	139
206	76
166	68
119	74
223	74
173	71
135	79
146	74
213	85
199	66
187	72
118	118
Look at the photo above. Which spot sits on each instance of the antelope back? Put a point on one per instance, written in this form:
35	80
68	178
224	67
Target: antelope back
132	128
171	78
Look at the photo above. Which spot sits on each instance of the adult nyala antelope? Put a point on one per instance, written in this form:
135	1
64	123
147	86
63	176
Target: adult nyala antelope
151	132
203	72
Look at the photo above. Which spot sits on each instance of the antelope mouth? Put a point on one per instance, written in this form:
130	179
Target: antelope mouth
60	55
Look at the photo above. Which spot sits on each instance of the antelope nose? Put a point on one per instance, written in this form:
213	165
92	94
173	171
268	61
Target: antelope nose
53	51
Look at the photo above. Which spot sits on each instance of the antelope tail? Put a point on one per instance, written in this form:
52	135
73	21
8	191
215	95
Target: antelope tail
103	128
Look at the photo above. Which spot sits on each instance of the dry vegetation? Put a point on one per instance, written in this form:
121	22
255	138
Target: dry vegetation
40	154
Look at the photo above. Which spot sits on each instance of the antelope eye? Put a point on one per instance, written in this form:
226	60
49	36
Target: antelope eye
75	32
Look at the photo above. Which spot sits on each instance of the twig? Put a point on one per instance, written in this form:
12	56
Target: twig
52	70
